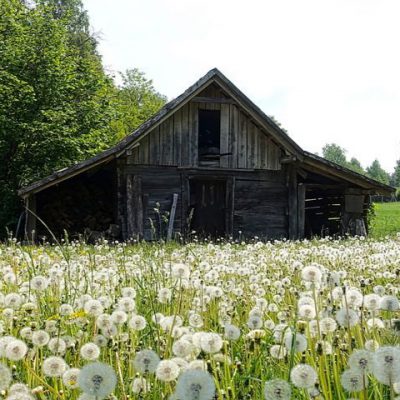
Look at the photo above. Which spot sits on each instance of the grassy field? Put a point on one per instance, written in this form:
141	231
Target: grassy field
387	220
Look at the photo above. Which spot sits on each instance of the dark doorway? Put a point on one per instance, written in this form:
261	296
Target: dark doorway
208	204
209	134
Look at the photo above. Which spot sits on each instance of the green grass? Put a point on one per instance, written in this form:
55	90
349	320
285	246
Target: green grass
387	219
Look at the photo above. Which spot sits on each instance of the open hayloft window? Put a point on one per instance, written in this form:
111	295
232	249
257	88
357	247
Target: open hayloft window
209	134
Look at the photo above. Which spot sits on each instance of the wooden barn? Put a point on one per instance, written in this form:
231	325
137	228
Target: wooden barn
210	162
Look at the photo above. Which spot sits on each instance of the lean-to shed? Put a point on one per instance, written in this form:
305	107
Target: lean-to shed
209	161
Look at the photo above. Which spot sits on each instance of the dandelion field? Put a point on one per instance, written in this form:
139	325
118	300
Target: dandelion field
288	320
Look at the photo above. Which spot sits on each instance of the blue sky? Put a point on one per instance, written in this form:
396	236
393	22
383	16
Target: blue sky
329	71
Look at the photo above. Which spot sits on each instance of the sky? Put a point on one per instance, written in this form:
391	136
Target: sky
327	70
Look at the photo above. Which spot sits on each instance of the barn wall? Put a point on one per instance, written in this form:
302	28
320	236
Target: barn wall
256	201
175	141
261	207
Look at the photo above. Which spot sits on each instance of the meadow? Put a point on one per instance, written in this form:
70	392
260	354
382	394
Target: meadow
286	320
387	219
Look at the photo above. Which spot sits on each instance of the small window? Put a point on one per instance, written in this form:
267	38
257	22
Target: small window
209	134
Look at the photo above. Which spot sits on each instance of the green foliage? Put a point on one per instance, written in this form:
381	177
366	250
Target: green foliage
355	166
136	101
375	171
335	153
396	174
57	105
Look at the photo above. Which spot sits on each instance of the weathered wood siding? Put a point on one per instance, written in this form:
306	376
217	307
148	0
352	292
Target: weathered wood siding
175	141
157	187
261	207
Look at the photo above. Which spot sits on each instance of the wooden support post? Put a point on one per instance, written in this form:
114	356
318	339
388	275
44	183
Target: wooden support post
30	218
230	206
301	200
292	201
172	217
134	207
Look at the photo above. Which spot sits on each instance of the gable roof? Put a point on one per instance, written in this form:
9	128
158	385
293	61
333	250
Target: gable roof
214	75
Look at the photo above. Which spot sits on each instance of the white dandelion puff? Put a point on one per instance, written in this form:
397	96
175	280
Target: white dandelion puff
389	303
146	361
347	317
277	389
195	385
167	370
137	323
303	376
97	379
232	332
386	364
354	380
70	378
16	350
90	351
5	377
54	366
40	338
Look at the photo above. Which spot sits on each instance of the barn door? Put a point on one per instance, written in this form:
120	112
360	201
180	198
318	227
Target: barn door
208	207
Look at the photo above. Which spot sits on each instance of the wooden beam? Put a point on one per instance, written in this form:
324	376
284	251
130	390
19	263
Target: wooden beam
214	100
301	197
172	216
292	201
134	207
30	218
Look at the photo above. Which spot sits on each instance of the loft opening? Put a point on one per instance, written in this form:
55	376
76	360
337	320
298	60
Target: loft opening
209	134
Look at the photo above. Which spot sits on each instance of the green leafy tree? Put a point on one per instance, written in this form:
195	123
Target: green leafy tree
57	105
396	174
55	100
375	171
355	165
335	153
136	101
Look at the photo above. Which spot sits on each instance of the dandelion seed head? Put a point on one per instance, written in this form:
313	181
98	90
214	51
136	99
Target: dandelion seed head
70	378
97	379
90	351
54	366
353	380
16	350
303	376
146	361
195	385
167	370
277	389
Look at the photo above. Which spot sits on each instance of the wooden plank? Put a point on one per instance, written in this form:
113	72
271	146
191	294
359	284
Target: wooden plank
154	146
30	218
251	142
169	142
134	207
194	134
230	205
292	201
234	122
172	216
301	195
177	137
185	138
257	141
163	144
224	140
144	151
214	100
130	211
242	141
